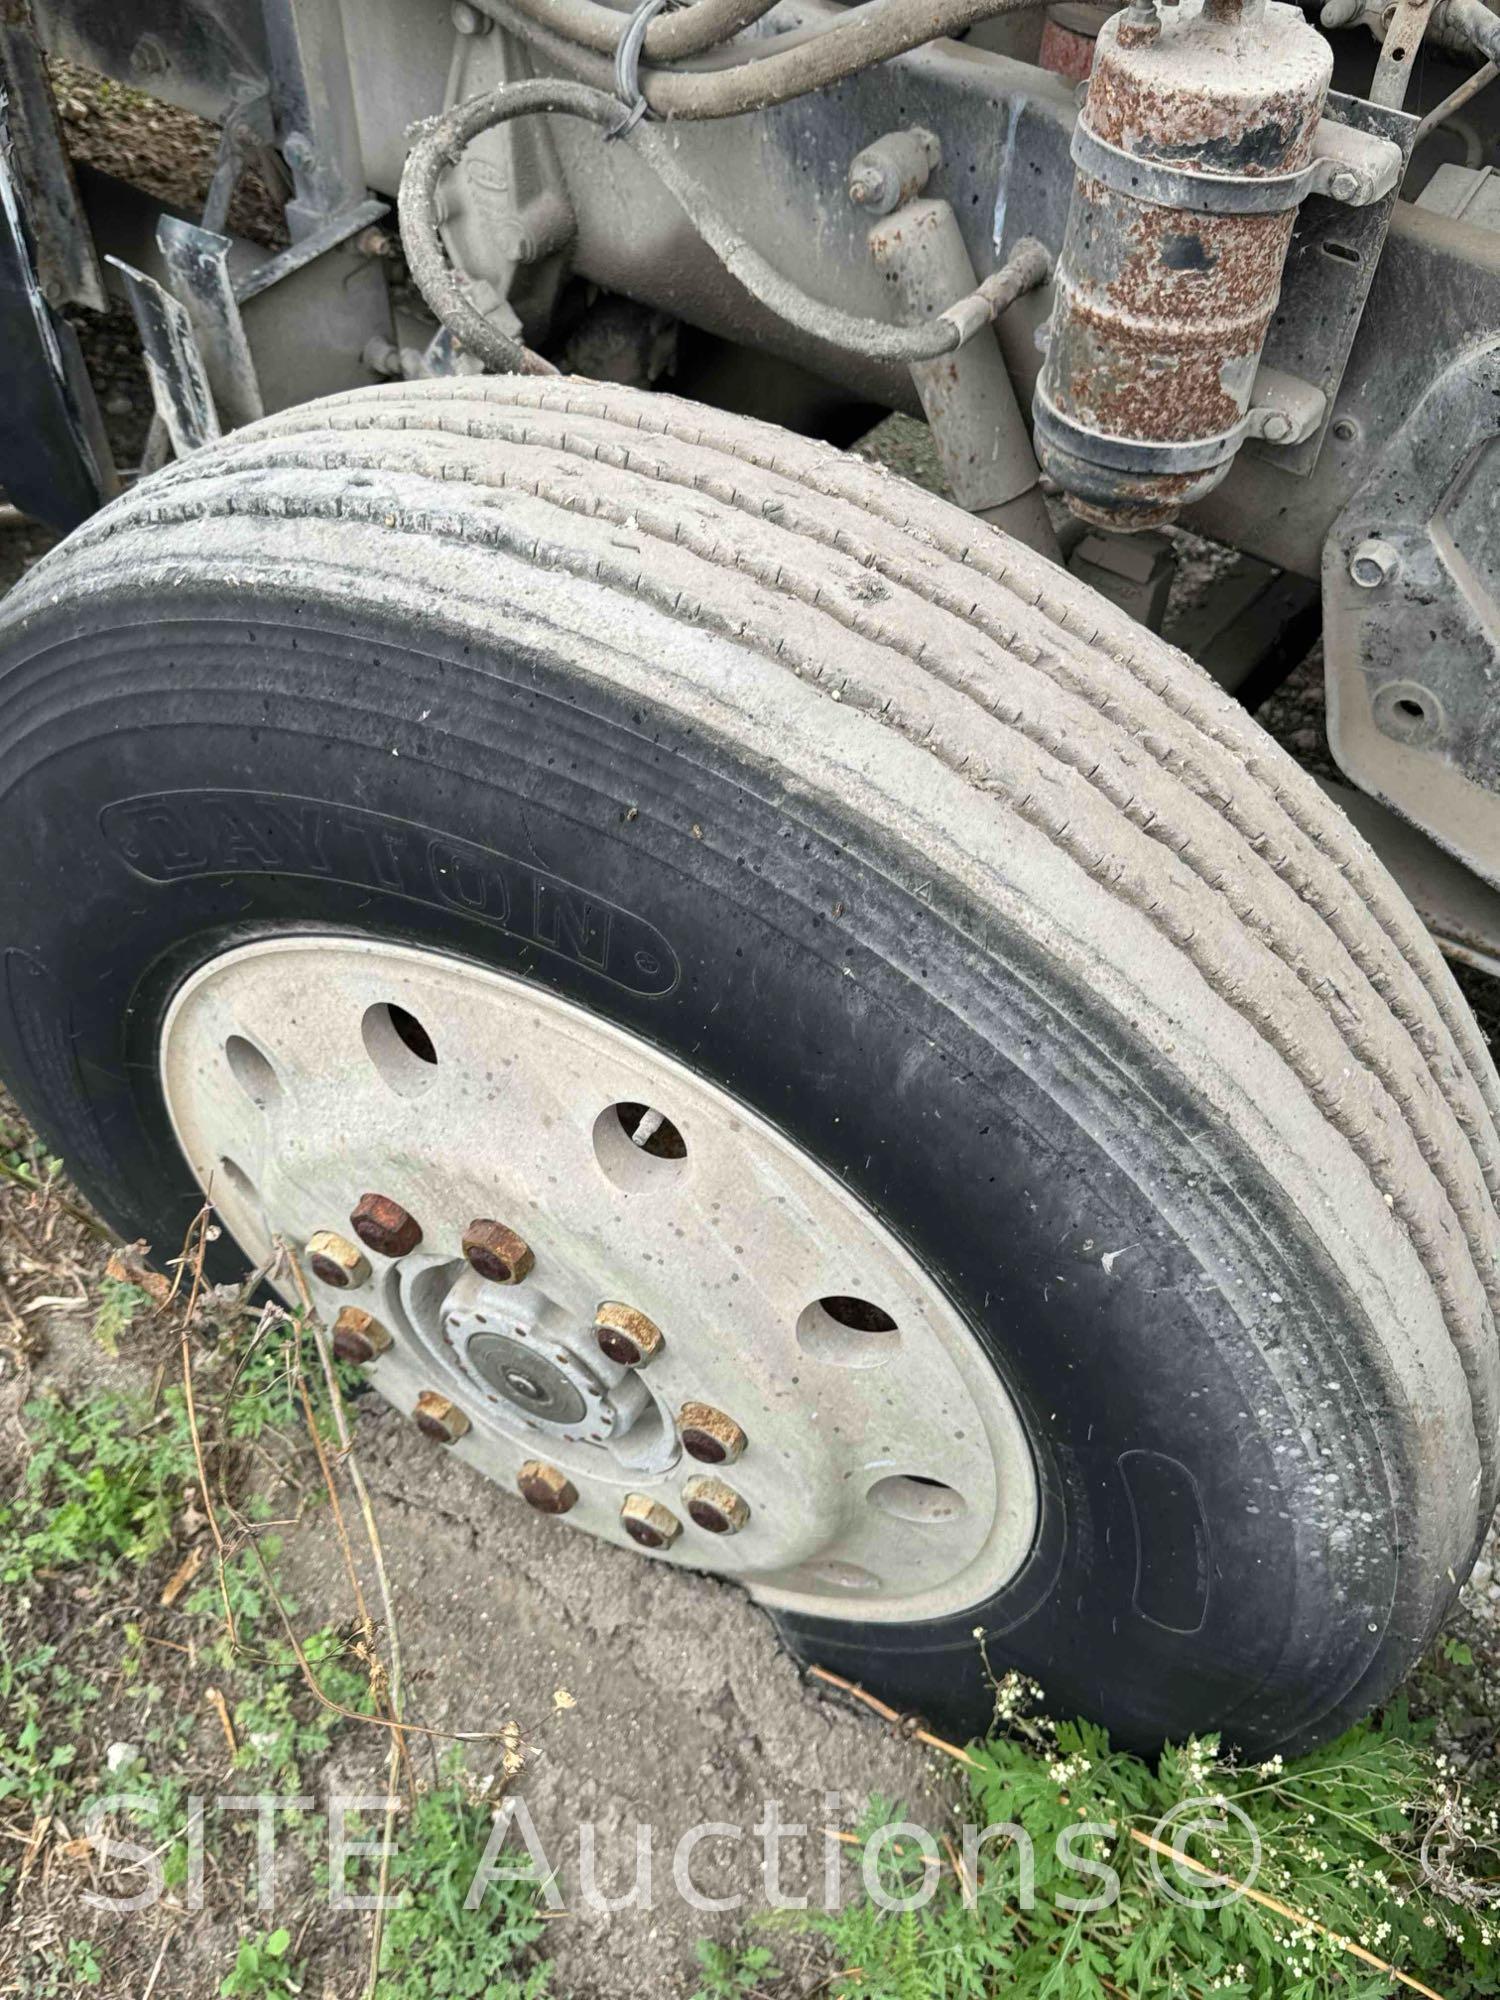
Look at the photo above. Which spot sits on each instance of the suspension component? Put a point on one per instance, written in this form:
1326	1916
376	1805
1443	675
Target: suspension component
1202	132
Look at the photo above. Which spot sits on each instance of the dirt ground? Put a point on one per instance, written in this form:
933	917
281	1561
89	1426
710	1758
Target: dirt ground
640	1695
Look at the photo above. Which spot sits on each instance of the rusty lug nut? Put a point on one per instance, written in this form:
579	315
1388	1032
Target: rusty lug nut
385	1225
547	1489
497	1253
435	1417
648	1522
336	1260
358	1337
709	1436
715	1506
625	1335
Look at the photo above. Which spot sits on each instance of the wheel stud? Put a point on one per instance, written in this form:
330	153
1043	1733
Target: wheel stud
625	1335
437	1418
335	1260
715	1506
546	1488
648	1522
497	1253
709	1436
385	1226
357	1337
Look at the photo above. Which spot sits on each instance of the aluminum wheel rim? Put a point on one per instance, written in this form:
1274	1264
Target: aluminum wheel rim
877	1468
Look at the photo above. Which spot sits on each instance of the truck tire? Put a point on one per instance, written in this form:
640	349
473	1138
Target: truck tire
1074	1194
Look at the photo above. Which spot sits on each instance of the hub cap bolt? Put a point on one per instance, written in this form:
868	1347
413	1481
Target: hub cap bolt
648	1522
385	1225
497	1253
715	1506
625	1335
437	1418
335	1260
709	1436
357	1337
546	1488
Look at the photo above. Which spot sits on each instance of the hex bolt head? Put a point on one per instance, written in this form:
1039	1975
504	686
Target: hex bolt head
497	1253
715	1506
709	1436
1277	426
546	1488
625	1335
385	1225
435	1417
358	1337
648	1522
1373	563
1347	185
335	1260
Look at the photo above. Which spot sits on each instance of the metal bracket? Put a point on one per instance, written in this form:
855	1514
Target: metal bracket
1282	410
1330	268
179	383
197	262
1349	166
1411	602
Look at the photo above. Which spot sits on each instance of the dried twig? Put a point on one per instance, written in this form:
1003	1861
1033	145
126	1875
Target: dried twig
893	1716
1286	1910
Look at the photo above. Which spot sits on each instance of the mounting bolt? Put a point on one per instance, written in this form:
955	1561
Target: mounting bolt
497	1253
1347	185
625	1335
335	1260
358	1337
715	1506
1277	426
648	1522
546	1488
437	1418
468	20
709	1436
1373	563
385	1225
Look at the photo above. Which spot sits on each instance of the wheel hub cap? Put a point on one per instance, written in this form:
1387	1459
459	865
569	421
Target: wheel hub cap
857	1454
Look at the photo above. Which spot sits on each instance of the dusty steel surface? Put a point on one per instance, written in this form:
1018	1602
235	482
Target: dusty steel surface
1162	310
1411	579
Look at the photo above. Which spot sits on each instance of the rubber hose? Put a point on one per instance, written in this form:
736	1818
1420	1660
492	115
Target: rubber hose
441	143
785	67
670	38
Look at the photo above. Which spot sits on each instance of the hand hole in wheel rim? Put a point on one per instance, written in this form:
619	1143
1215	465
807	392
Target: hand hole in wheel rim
234	1177
400	1047
910	1496
848	1332
639	1147
253	1071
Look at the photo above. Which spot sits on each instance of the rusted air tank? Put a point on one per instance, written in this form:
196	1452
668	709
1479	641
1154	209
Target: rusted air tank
1192	154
